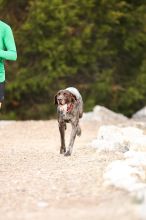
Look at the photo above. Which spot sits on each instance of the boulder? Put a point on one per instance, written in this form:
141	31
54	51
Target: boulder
122	175
140	115
104	115
122	139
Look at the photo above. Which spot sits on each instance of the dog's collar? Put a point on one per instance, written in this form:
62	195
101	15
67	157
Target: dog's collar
69	107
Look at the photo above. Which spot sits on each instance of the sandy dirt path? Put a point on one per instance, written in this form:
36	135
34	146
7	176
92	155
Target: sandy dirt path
37	183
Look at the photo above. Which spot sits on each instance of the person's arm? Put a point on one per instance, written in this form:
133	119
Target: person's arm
10	53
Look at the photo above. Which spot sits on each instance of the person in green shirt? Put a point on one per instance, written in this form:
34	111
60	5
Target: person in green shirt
7	52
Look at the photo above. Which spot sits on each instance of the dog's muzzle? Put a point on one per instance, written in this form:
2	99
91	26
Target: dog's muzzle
60	101
62	109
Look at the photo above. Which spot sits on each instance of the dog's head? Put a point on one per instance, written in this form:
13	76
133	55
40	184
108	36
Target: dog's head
64	97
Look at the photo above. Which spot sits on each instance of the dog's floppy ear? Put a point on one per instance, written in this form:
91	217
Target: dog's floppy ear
55	99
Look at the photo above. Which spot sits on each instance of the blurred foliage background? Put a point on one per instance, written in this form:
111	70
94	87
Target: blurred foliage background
97	46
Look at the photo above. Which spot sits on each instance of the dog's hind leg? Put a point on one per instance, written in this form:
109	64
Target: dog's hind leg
62	127
79	130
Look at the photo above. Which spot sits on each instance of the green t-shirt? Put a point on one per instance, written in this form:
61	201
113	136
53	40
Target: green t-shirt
7	47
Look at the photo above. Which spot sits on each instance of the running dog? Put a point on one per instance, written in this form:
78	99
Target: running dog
69	110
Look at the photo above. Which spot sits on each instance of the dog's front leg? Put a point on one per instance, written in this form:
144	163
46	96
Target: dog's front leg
62	127
72	139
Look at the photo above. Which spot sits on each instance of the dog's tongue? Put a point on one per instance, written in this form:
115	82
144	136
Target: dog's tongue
63	108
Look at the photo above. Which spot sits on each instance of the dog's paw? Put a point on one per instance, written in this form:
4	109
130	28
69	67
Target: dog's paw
62	150
68	153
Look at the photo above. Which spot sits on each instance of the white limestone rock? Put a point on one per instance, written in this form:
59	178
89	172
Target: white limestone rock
140	115
115	138
104	115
